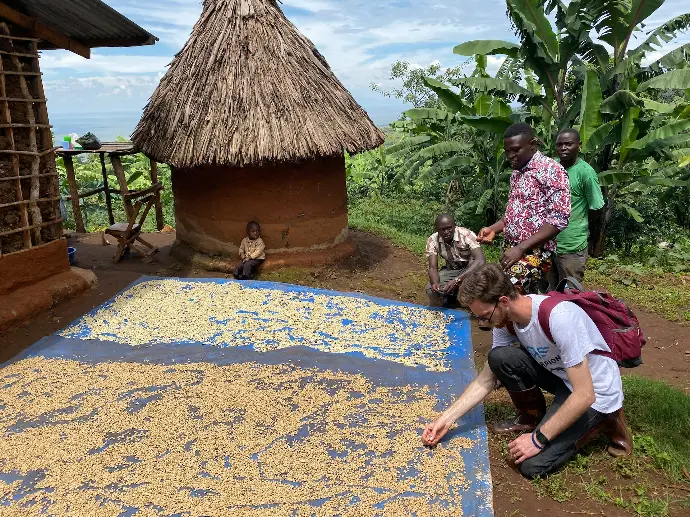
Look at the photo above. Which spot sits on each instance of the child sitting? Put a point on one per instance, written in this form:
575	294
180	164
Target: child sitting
251	252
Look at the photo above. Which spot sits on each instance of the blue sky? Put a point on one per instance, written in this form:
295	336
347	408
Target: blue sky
359	38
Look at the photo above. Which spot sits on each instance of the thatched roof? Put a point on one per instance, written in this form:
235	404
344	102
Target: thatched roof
248	88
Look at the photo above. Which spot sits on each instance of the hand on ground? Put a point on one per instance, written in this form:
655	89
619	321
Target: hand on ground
486	235
435	431
522	448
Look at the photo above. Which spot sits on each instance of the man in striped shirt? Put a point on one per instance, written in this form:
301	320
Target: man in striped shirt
459	248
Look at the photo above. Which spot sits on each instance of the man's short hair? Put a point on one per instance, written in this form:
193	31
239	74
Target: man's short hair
487	283
519	129
442	217
571	131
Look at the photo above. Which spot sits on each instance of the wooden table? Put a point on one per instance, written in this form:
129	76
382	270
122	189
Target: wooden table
114	150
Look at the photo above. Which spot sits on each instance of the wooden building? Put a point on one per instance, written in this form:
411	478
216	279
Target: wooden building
254	125
32	249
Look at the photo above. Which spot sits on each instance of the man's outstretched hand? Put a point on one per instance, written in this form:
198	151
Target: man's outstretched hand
435	431
486	235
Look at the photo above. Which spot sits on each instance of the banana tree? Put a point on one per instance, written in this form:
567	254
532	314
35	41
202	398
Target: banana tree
462	144
652	143
553	52
591	41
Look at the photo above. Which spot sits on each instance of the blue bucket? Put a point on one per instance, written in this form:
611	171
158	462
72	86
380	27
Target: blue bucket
72	254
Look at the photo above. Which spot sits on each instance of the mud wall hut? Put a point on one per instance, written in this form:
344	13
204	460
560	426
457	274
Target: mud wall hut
32	249
254	125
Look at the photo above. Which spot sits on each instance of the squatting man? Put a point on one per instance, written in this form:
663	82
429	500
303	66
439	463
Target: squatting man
587	388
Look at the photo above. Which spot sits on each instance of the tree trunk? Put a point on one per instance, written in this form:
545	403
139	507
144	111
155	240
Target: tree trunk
600	242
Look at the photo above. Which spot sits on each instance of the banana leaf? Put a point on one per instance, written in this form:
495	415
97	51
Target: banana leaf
487	47
675	79
590	116
613	177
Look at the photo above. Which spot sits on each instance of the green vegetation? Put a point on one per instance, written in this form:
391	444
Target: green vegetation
660	418
583	69
89	177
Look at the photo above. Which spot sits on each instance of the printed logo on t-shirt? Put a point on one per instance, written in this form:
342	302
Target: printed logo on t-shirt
541	352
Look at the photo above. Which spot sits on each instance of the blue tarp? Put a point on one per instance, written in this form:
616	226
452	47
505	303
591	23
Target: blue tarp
476	496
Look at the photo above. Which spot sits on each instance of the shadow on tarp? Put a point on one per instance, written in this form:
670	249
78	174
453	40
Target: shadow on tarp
477	496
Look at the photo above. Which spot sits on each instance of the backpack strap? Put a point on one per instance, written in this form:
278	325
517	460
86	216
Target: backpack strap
544	315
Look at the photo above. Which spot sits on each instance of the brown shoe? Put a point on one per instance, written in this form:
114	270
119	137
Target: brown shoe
614	427
531	408
618	434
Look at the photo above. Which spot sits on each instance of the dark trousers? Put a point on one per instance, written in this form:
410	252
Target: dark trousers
518	371
245	270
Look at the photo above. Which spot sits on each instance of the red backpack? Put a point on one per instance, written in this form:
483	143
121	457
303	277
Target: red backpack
618	325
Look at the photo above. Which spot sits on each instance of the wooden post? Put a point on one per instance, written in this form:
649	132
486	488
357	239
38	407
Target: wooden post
35	192
47	142
23	212
122	180
74	192
159	206
108	201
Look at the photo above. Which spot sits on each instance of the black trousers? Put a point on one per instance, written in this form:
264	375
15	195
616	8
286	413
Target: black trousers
245	270
518	371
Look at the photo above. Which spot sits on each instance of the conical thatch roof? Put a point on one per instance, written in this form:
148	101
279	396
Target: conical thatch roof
248	88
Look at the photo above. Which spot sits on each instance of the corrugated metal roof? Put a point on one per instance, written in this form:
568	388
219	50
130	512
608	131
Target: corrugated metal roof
90	22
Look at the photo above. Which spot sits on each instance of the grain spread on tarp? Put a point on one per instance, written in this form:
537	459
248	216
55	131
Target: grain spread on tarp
202	439
229	314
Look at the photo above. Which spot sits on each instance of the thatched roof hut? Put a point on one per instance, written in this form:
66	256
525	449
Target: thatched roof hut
254	123
249	88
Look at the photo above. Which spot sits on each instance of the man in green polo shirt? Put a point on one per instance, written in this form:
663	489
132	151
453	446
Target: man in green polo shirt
585	195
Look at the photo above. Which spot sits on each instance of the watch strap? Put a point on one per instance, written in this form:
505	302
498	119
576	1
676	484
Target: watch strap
542	439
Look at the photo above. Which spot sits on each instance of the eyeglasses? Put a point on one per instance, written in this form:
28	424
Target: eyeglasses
483	318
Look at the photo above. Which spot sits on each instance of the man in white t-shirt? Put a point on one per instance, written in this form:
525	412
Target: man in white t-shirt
587	389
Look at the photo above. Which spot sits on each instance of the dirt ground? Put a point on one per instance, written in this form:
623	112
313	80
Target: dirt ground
381	269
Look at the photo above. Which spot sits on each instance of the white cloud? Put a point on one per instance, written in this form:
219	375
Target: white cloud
120	64
360	39
313	6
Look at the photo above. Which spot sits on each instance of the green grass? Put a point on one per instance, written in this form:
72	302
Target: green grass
667	294
659	416
406	224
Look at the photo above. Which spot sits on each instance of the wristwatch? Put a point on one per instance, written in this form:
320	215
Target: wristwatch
542	439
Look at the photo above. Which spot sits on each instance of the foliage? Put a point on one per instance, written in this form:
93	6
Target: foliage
460	144
87	169
660	417
405	222
586	74
413	90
